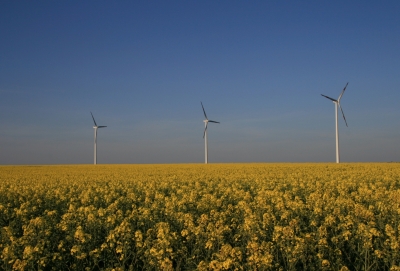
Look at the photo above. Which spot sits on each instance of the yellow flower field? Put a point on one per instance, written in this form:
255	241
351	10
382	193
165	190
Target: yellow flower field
200	217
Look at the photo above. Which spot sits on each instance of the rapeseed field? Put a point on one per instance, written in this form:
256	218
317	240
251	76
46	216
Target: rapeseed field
200	217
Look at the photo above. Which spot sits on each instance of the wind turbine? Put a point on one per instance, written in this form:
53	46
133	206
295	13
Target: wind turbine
206	121
95	127
337	104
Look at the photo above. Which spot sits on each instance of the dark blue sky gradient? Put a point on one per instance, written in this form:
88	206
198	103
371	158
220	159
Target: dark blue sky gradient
142	68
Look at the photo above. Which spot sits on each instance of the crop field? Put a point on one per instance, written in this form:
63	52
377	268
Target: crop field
200	217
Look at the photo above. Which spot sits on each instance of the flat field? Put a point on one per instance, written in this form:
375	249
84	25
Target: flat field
200	217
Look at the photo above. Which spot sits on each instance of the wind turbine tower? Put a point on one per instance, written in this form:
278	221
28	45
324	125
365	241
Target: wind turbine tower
95	127
206	121
337	104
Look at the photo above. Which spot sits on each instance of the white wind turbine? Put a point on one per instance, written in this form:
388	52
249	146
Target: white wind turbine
206	121
337	104
95	127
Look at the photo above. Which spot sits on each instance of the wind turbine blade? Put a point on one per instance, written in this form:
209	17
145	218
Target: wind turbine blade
343	115
101	126
205	130
93	119
341	94
213	121
204	111
329	98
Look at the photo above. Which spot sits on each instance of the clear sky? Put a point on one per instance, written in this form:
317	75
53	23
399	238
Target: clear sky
142	68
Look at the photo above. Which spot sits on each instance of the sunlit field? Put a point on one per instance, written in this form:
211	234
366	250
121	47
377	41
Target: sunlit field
200	217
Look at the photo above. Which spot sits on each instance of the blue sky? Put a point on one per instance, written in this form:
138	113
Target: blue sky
142	68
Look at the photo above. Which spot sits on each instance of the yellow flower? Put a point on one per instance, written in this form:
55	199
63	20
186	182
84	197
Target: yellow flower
325	263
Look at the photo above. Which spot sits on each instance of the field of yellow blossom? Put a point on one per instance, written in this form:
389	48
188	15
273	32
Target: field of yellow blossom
200	217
